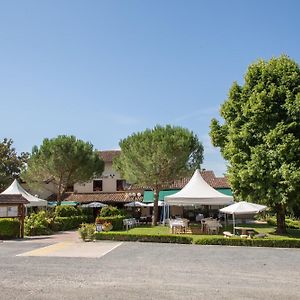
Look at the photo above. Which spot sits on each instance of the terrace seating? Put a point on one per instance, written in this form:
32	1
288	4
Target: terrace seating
129	223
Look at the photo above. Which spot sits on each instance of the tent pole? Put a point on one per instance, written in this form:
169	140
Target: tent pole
164	214
233	223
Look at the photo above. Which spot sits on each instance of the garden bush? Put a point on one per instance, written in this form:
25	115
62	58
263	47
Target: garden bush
110	211
38	223
87	232
163	238
279	243
116	221
67	211
68	223
9	228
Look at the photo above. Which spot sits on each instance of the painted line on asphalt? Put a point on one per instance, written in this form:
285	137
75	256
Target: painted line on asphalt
46	250
116	246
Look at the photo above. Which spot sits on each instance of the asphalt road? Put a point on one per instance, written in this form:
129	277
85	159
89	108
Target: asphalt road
152	271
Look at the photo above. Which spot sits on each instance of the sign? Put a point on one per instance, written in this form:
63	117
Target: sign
8	211
98	227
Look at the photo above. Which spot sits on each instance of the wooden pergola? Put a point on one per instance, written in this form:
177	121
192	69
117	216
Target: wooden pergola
13	206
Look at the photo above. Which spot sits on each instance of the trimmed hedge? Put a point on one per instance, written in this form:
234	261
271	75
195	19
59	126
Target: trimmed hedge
9	228
67	223
163	238
67	211
116	221
278	243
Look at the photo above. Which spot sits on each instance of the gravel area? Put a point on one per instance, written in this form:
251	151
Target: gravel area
152	271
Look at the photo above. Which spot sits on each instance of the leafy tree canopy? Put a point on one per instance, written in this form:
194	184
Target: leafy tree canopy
260	136
11	163
156	157
63	160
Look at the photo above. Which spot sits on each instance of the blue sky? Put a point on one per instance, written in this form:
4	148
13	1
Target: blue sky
102	70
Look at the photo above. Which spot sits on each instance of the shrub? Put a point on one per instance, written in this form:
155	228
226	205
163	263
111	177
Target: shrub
67	223
110	211
67	211
290	223
9	228
38	223
87	232
116	221
279	243
163	238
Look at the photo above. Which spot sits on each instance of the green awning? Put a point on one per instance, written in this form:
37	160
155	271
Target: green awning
149	195
225	191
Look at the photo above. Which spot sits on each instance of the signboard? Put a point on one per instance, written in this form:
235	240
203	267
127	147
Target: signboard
8	211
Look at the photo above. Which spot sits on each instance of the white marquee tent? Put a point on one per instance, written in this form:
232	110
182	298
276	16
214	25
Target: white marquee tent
198	192
16	188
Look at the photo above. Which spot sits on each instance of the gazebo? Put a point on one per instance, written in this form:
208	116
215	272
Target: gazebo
197	192
13	206
16	188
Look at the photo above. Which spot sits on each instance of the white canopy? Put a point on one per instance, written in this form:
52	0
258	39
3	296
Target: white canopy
198	192
94	204
16	188
160	203
135	204
243	208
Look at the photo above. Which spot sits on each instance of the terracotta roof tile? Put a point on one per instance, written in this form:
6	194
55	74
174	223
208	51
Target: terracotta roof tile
109	155
117	197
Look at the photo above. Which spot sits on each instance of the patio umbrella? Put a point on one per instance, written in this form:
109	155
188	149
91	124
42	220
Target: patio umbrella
94	204
242	208
160	203
136	204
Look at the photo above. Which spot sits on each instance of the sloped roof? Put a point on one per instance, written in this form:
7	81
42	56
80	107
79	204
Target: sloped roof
13	199
117	197
16	188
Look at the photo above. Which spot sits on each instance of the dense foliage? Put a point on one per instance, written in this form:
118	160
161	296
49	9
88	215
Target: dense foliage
156	157
9	228
260	136
11	163
110	211
63	161
116	221
87	232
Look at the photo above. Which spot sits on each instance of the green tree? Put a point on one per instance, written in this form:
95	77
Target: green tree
63	160
260	136
156	157
11	163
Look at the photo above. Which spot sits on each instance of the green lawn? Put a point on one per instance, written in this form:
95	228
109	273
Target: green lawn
259	228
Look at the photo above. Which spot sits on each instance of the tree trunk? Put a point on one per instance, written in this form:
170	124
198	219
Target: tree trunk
155	206
280	214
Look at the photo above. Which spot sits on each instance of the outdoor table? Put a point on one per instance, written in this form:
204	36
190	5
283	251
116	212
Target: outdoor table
244	230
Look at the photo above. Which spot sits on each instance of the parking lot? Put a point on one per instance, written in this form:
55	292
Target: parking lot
145	271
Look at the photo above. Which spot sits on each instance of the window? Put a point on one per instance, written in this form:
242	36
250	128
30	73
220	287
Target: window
70	188
97	185
121	184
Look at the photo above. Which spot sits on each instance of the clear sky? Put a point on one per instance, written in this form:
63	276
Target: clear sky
102	70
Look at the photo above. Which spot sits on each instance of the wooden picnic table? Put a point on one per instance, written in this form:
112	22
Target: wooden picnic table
244	230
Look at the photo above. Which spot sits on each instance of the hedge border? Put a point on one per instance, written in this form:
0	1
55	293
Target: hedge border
208	240
162	238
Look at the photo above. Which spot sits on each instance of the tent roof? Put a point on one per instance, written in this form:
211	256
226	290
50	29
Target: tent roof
16	188
243	207
198	192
